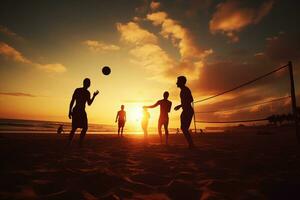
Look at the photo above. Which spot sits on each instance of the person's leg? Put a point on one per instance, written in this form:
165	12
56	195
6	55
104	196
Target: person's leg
146	130
185	124
166	124
82	135
122	127
72	132
119	130
159	130
188	137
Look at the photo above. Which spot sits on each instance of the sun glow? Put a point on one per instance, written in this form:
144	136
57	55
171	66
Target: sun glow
134	117
134	114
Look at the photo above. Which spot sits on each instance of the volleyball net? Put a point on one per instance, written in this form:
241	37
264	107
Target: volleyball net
254	101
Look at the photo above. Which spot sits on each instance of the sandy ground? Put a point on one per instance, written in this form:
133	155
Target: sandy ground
223	166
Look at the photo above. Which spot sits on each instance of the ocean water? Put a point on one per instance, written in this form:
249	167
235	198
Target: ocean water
34	126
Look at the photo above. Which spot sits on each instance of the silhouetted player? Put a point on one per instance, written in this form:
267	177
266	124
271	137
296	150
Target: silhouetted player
187	109
78	114
145	120
165	107
60	129
121	118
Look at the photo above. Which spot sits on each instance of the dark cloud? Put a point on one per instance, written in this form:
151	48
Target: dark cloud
223	75
9	33
283	47
232	16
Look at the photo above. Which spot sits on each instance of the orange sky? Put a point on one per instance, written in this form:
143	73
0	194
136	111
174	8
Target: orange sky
147	44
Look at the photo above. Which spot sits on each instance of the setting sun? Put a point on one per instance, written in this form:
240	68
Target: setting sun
134	114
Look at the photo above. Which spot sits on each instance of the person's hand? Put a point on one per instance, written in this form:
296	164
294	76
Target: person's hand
177	107
144	107
70	115
96	93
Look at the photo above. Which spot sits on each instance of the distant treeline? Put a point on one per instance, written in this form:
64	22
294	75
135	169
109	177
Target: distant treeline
279	119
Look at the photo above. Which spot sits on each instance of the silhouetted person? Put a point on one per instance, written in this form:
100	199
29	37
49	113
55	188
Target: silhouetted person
121	118
60	129
165	107
187	109
78	114
145	120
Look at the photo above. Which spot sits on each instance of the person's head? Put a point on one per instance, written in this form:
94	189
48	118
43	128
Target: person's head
166	95
86	83
122	107
181	81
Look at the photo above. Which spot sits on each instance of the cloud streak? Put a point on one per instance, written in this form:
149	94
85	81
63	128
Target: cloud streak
132	33
97	46
17	94
11	53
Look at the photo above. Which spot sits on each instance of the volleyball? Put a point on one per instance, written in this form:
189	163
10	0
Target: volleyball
106	70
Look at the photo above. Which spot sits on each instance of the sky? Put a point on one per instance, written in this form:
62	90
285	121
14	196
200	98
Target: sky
47	48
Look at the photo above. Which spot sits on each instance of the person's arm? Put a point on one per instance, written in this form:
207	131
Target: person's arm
170	106
90	101
177	107
117	116
71	105
125	116
152	106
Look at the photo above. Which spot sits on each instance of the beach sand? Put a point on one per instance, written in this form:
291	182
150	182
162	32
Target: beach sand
223	166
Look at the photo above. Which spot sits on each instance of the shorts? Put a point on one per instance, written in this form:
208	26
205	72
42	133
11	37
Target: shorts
121	123
79	119
186	118
163	121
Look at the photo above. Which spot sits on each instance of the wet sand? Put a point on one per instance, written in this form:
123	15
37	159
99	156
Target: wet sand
223	166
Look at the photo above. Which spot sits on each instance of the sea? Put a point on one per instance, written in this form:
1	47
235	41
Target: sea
35	126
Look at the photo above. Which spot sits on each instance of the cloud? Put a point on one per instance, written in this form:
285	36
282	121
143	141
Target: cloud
97	46
6	31
133	33
146	51
231	17
17	94
54	67
152	57
13	54
179	35
221	75
154	5
191	55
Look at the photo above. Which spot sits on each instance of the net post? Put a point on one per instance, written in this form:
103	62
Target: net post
194	118
294	104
